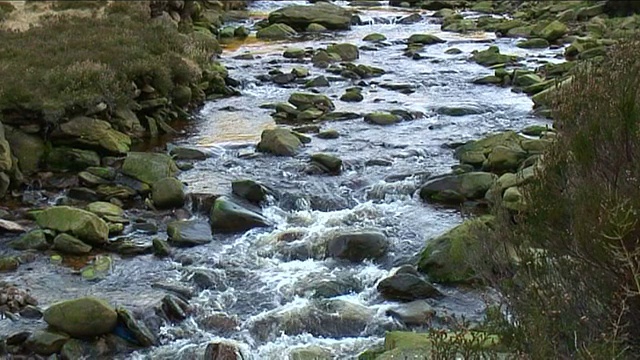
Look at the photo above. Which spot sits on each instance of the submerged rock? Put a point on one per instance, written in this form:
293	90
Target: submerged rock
227	216
83	317
250	190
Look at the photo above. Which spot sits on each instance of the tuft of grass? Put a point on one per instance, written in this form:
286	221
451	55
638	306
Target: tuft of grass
72	63
61	5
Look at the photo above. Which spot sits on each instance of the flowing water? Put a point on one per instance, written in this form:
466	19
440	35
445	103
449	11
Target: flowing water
260	275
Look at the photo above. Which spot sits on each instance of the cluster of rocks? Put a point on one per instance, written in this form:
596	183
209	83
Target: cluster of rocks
288	21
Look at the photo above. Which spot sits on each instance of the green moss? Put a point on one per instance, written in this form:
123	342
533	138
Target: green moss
62	5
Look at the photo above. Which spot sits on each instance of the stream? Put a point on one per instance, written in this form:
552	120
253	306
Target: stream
260	276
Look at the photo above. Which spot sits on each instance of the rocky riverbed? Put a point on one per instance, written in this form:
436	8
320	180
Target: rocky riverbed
309	215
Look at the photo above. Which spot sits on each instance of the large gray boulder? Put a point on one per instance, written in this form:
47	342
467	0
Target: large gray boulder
299	17
82	318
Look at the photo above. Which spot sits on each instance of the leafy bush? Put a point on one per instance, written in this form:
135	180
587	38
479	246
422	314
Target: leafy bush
72	63
573	286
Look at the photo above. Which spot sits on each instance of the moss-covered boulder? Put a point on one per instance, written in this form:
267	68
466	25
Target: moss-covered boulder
82	224
299	17
346	51
456	188
382	118
102	208
227	216
304	101
168	193
46	342
29	149
357	246
477	152
82	318
68	244
149	167
92	133
189	233
70	159
33	240
424	39
492	56
328	163
504	158
535	43
279	141
276	32
554	31
250	190
413	345
445	259
374	37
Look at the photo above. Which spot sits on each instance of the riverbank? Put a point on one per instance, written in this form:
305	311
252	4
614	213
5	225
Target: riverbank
303	220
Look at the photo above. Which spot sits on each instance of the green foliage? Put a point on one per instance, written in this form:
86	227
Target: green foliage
573	284
72	63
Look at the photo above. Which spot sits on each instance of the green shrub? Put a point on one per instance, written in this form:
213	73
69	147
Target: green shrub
72	63
573	284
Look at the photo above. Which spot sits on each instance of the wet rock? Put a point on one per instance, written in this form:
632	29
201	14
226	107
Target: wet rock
18	338
554	31
455	188
374	37
410	19
486	80
304	101
83	317
68	244
329	134
406	284
276	32
328	286
382	118
46	342
316	28
279	141
331	318
357	246
175	308
282	79
503	158
88	179
445	258
249	190
476	152
185	153
189	233
319	81
424	39
99	268
346	51
11	226
93	133
84	225
227	216
535	43
69	159
322	58
149	167
491	56
161	248
461	110
526	79
145	227
27	148
102	208
167	193
220	322
352	95
328	163
311	353
9	263
294	53
299	17
138	329
31	312
208	279
223	351
453	51
414	313
300	72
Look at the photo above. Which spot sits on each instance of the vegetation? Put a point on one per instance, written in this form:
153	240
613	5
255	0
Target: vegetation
61	5
572	283
69	64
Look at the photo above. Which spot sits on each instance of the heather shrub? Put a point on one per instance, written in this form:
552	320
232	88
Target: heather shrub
571	279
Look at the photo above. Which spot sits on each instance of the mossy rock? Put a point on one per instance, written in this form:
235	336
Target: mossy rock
279	141
82	318
149	167
33	240
382	118
492	56
331	16
88	132
276	32
70	159
424	39
456	188
68	244
535	43
374	37
227	216
304	101
102	208
346	51
83	224
27	148
554	31
445	258
168	193
485	145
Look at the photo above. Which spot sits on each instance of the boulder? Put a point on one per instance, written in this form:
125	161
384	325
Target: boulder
456	188
406	285
554	31
312	352
346	52
329	163
83	224
6	158
140	332
9	263
316	28
535	43
483	147
352	95
304	101
189	233
223	351
102	208
279	141
276	32
68	244
82	318
249	190
382	118
33	240
186	153
65	159
424	39
149	167
491	56
299	17
46	342
414	313
92	133
504	158
227	216
293	53
168	193
374	37
357	246
445	258
512	199
318	81
27	148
